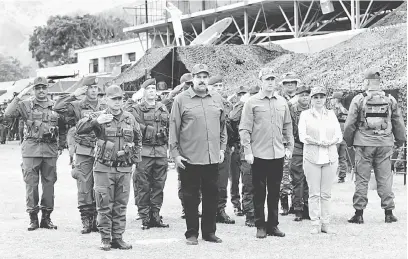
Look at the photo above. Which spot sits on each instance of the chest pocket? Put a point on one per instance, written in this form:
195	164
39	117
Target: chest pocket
164	118
193	111
214	110
128	135
148	118
260	114
86	113
279	115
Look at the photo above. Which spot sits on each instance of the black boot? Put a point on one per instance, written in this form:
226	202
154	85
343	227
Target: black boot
33	221
156	221
238	212
291	210
357	218
120	244
285	204
145	222
86	224
305	212
389	217
274	231
105	244
298	215
250	220
94	220
46	220
222	217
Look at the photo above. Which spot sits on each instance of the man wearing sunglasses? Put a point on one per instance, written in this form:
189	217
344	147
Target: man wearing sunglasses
150	175
266	135
74	107
118	148
44	139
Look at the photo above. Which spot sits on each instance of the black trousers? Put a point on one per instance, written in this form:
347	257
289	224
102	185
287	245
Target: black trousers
266	174
192	179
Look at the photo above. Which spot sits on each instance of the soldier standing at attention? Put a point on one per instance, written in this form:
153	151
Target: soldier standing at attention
341	114
198	139
373	126
215	83
3	125
265	127
118	147
151	174
289	84
74	110
43	141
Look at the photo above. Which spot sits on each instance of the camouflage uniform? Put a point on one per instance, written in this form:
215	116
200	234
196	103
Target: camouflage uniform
341	114
83	145
3	128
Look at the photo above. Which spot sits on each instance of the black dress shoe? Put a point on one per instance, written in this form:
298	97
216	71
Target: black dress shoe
261	232
212	238
274	231
192	241
120	244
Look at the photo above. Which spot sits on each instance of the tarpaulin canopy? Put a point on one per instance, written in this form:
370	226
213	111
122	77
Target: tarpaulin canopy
101	83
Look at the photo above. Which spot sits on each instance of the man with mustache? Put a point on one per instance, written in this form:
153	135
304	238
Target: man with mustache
44	139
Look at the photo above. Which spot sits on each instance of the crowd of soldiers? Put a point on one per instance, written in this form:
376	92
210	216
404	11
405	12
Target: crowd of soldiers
251	136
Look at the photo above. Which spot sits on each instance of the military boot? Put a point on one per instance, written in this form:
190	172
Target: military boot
86	224
145	223
222	217
298	215
357	218
118	243
238	212
105	244
94	221
46	220
305	212
250	220
285	204
389	217
156	221
33	222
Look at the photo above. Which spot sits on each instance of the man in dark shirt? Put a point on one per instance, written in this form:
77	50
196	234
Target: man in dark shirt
197	143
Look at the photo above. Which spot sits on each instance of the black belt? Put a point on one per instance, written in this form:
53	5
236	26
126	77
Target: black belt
40	140
113	163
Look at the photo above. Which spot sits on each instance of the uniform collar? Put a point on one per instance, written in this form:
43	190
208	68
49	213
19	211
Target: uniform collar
315	113
261	95
43	104
192	94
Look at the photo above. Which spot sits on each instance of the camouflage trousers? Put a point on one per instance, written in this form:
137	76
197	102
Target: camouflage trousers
71	141
112	196
82	172
286	185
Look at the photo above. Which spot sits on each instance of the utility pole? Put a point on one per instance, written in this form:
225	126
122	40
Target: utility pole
147	20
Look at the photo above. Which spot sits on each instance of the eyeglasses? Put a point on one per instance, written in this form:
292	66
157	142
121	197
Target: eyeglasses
117	98
319	96
41	87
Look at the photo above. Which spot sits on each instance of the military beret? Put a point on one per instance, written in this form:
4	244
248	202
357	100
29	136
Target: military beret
266	72
187	77
215	79
40	81
90	80
242	89
114	91
337	95
148	82
373	73
302	89
290	77
199	68
317	90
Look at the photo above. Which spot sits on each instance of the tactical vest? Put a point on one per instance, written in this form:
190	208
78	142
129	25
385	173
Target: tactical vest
42	124
86	111
157	124
117	148
375	114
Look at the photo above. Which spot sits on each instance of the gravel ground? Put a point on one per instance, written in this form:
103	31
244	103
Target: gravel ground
374	239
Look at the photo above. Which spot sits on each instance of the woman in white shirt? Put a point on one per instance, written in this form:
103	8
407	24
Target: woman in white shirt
320	131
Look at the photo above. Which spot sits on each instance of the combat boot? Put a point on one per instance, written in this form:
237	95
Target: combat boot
86	225
105	244
33	222
250	220
357	218
305	212
46	220
118	243
389	217
238	212
145	223
291	210
156	221
298	215
222	217
285	204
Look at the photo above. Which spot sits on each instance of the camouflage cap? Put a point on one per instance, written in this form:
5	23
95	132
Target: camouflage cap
40	81
113	91
187	77
290	77
90	80
215	79
242	90
148	82
200	68
265	73
318	90
373	73
303	89
337	95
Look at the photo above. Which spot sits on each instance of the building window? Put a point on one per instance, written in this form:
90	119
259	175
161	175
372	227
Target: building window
112	62
93	66
132	57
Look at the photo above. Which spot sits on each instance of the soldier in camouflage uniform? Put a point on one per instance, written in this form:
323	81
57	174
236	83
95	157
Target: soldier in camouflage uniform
289	85
43	142
74	109
3	125
341	114
118	148
151	174
215	84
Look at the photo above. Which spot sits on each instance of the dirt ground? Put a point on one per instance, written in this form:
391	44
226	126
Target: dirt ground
374	239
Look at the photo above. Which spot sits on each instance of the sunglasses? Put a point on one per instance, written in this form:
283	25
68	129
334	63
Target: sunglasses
43	87
319	96
117	98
